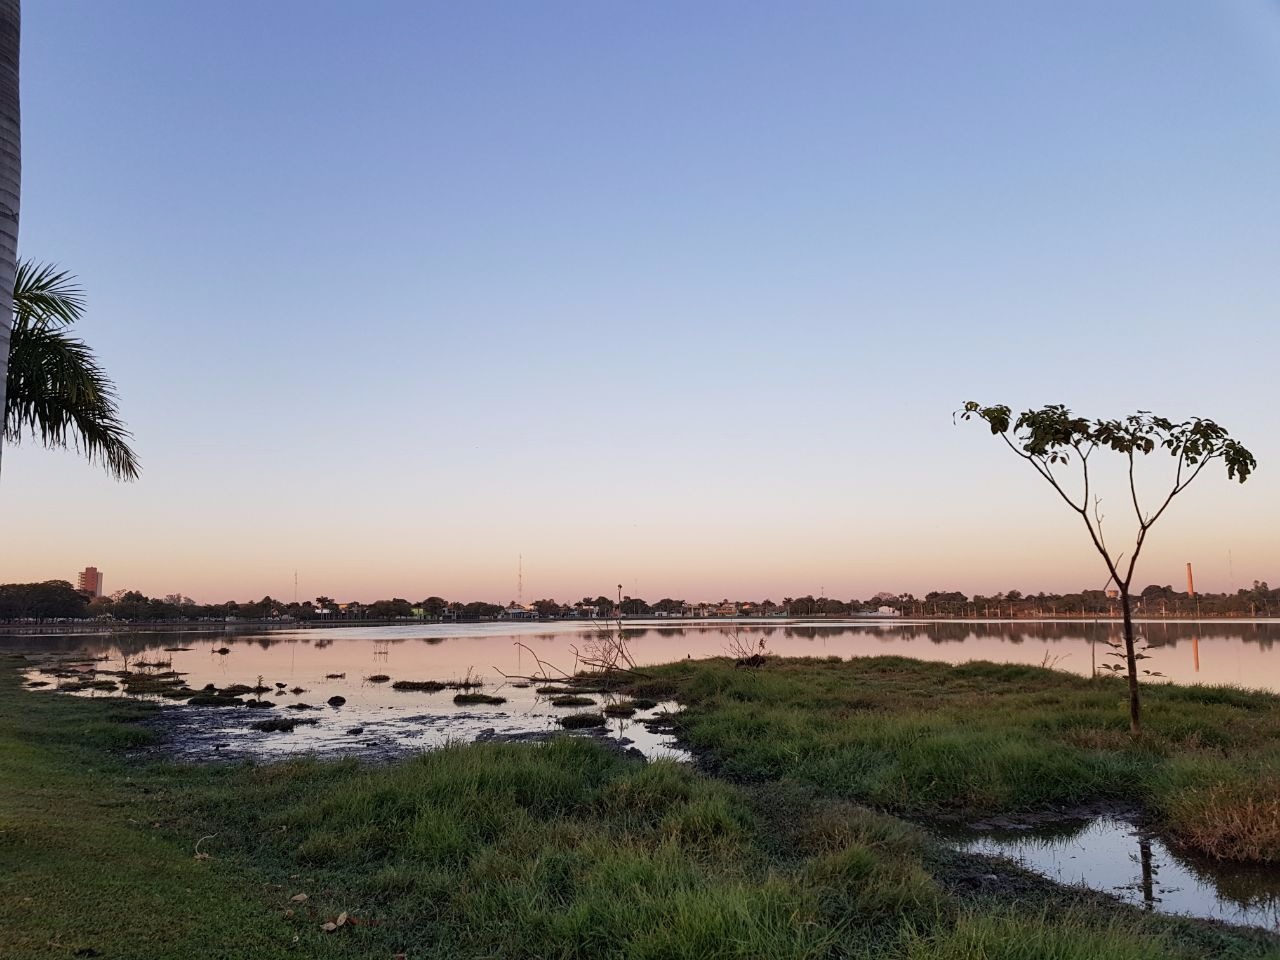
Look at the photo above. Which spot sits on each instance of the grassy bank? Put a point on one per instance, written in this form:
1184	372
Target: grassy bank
565	850
980	738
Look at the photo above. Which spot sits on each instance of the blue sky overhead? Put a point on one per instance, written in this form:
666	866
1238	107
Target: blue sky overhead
680	296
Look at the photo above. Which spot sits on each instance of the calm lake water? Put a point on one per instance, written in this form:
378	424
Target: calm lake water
1243	653
375	719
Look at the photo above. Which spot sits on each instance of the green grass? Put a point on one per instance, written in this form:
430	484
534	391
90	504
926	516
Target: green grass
81	865
928	738
566	850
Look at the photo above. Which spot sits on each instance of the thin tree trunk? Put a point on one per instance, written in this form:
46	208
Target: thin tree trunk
1130	656
10	181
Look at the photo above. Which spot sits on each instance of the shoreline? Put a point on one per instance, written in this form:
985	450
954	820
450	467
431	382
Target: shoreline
82	627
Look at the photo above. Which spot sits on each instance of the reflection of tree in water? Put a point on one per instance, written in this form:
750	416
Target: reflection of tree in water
1244	890
1254	887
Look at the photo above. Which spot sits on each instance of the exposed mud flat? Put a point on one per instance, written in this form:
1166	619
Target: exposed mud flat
202	735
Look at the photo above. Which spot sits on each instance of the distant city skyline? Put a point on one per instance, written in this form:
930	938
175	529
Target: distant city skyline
668	294
90	580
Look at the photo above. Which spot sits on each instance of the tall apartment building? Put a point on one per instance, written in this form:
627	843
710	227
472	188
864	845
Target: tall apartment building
89	580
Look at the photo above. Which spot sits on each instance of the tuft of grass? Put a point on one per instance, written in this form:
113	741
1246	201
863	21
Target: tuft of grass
151	684
572	700
581	721
377	678
478	698
425	686
281	724
554	690
215	700
1036	937
1233	816
72	686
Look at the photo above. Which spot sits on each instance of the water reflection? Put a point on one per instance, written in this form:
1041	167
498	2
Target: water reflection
1115	856
1236	653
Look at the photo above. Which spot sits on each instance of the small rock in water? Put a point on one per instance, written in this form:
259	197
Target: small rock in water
259	704
337	701
355	731
223	651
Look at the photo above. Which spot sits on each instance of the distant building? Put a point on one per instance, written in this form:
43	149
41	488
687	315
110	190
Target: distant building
517	611
89	581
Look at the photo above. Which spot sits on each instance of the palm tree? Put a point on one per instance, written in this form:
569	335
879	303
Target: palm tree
56	389
10	174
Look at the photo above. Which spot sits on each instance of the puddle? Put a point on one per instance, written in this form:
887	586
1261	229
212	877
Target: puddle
1115	856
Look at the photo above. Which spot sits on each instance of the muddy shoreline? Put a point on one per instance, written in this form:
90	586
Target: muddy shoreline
207	735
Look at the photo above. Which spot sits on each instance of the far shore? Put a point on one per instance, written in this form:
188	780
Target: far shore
53	627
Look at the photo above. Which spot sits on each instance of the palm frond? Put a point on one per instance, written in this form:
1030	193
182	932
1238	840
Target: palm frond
56	390
44	296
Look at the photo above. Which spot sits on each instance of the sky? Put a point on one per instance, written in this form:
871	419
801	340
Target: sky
676	296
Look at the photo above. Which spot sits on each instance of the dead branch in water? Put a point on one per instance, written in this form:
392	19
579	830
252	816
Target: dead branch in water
608	655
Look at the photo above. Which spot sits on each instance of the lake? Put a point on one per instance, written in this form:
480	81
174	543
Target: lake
336	662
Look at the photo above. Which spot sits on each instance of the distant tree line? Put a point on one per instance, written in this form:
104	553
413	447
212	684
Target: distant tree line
58	599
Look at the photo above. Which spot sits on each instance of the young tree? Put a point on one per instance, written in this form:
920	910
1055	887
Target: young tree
1054	441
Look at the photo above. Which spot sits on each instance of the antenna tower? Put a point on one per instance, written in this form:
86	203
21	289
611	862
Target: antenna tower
520	581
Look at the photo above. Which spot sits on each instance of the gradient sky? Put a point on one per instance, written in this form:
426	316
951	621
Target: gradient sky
680	296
